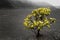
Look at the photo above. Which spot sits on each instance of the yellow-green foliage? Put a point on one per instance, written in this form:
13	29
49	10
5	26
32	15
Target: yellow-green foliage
39	19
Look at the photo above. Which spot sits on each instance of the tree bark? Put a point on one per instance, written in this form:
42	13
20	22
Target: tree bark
38	34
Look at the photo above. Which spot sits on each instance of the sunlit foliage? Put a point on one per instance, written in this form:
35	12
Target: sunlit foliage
39	19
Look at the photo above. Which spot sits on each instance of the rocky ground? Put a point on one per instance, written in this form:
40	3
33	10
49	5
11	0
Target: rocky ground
12	28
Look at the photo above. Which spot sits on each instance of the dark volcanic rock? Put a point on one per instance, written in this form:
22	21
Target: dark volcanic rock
5	4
